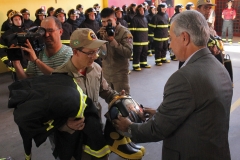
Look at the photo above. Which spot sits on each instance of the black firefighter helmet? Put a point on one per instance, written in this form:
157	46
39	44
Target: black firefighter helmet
49	10
88	11
40	11
72	11
177	7
58	11
127	107
25	11
138	7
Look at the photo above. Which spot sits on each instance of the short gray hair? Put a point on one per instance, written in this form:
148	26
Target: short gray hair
194	24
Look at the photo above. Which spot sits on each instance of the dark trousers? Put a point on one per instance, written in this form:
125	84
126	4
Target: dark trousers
160	49
227	28
139	53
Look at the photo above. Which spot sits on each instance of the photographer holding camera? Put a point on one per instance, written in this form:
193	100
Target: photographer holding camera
7	40
53	55
119	49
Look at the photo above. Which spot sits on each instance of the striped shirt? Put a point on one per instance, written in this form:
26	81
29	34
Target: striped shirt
54	61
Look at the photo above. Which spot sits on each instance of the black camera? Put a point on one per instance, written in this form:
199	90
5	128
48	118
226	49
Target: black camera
34	35
110	29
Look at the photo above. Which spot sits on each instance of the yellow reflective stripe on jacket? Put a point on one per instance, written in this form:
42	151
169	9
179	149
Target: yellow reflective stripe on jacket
82	104
100	153
161	39
138	29
152	25
162	26
140	43
150	35
2	46
13	69
2	32
50	126
65	41
4	58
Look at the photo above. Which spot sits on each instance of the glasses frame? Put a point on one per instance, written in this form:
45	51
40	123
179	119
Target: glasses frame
89	54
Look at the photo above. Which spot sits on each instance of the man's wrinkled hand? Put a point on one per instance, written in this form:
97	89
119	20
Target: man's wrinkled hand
75	124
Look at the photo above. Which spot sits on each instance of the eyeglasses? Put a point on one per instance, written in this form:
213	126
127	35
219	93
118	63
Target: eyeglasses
90	54
50	30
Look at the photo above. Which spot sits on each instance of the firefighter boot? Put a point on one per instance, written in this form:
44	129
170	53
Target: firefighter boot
165	60
135	145
119	144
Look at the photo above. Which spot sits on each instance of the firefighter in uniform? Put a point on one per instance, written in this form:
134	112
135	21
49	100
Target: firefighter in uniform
26	14
8	39
119	15
152	12
6	24
50	11
67	28
81	17
139	30
131	12
98	16
159	25
72	19
40	15
228	15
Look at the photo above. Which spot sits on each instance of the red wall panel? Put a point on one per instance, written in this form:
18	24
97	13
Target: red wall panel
120	3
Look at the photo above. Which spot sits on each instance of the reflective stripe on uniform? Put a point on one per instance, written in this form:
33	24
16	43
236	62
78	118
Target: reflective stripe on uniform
140	43
161	39
162	26
2	32
136	65
83	98
5	58
27	157
138	29
158	60
152	25
100	153
143	62
65	41
2	46
150	35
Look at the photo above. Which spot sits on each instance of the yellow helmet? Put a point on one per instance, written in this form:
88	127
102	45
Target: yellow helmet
15	13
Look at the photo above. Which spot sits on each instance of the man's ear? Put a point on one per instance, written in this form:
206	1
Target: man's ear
186	38
61	31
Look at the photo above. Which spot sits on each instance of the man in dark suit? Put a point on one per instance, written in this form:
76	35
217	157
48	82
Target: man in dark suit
193	119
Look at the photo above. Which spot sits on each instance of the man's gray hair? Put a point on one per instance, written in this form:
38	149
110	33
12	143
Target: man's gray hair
194	24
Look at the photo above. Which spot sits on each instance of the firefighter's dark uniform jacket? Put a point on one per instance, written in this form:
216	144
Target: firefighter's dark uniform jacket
139	30
6	26
43	104
150	31
75	24
6	40
81	18
123	22
159	25
37	22
128	18
28	23
67	32
92	24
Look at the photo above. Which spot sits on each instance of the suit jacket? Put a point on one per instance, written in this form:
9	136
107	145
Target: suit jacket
193	119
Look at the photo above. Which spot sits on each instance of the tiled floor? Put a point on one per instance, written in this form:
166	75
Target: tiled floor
146	88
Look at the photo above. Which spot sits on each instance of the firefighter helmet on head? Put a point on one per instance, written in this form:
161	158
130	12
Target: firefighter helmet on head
49	10
59	11
189	5
96	7
118	9
160	6
138	7
177	7
25	11
72	11
127	107
88	11
124	7
40	11
79	6
8	12
150	9
15	13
